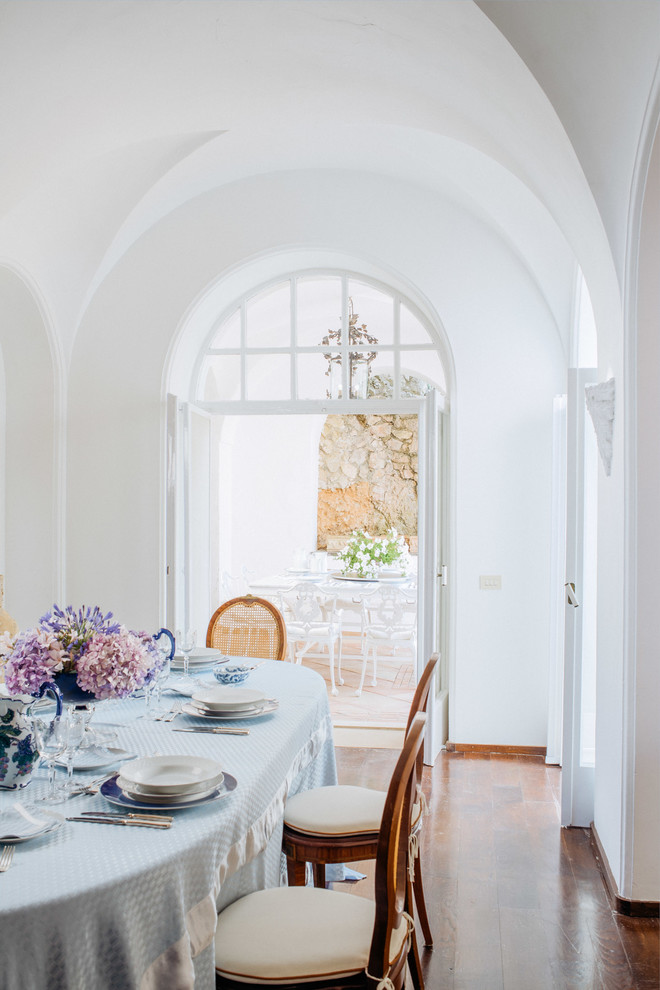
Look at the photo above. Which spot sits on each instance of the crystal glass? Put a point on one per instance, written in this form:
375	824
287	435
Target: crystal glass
75	732
51	740
185	642
155	708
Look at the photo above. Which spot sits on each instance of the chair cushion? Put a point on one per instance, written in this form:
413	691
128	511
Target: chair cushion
335	810
339	810
297	935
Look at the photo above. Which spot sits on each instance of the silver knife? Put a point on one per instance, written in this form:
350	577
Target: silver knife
217	731
120	821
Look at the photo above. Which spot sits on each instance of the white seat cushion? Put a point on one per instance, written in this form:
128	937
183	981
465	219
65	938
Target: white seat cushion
295	935
335	810
339	810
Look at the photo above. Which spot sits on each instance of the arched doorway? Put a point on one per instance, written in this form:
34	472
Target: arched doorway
288	348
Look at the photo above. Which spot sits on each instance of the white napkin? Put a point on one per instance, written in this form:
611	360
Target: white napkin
20	823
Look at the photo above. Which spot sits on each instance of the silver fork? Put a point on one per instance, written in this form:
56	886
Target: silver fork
6	857
171	715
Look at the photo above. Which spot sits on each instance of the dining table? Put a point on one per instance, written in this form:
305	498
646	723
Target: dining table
90	906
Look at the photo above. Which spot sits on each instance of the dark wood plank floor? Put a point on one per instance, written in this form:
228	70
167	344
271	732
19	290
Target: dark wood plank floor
515	902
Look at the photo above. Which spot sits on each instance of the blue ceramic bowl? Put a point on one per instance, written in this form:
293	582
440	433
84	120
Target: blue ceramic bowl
232	674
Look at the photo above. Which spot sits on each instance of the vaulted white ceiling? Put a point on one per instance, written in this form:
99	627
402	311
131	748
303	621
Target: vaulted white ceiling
524	112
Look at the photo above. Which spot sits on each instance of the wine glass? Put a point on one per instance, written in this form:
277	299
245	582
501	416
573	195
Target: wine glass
155	709
50	738
185	641
76	724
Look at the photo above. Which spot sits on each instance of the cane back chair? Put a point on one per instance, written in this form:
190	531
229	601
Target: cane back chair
304	936
248	627
339	824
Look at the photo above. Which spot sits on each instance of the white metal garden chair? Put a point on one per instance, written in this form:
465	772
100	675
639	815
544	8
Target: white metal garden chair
389	620
311	620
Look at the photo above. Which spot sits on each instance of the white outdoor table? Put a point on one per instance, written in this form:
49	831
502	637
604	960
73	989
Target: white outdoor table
95	907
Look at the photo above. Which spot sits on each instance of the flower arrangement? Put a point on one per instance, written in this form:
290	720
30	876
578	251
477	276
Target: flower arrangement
107	659
365	555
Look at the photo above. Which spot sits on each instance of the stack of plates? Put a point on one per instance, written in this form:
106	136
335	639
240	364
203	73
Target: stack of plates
201	656
229	703
168	782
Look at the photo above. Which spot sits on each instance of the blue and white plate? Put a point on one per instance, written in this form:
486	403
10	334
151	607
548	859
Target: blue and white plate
114	794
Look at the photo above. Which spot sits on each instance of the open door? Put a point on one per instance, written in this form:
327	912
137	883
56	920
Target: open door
578	746
432	571
188	517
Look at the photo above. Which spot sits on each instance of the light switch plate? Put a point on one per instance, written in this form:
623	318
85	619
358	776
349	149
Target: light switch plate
490	582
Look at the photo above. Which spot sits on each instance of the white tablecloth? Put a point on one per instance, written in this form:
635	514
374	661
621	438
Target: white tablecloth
95	907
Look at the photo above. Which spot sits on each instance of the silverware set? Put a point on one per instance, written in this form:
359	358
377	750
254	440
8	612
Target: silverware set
169	716
118	818
6	857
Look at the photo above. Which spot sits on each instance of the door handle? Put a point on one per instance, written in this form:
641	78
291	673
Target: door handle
571	597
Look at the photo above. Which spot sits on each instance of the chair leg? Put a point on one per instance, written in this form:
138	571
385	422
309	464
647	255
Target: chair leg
414	963
420	904
365	658
339	677
295	872
331	658
319	874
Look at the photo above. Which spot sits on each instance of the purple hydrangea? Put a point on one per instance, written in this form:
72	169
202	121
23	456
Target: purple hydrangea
113	664
36	657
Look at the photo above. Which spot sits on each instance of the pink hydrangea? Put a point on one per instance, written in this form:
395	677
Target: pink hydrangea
113	665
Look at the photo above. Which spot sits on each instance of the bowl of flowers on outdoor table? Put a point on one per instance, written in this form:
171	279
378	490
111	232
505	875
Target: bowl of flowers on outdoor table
83	656
369	557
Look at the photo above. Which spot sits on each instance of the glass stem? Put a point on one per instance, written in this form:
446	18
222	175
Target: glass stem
51	779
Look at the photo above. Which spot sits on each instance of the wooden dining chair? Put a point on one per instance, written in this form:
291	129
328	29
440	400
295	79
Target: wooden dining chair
340	824
248	627
291	936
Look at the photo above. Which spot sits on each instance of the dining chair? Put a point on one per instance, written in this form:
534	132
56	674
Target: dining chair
312	620
341	823
389	619
248	627
290	936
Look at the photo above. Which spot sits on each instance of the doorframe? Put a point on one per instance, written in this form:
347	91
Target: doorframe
433	477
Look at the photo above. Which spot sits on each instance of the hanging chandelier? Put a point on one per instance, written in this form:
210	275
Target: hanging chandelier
359	362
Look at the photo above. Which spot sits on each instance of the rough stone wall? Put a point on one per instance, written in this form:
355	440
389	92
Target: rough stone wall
367	477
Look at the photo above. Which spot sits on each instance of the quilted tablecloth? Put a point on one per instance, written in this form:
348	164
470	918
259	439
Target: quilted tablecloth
95	907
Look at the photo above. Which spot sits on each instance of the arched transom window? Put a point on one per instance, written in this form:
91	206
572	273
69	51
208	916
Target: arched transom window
319	336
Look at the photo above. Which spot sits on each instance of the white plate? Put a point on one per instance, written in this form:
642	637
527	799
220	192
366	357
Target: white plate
15	828
112	793
95	758
201	654
171	774
228	712
270	706
353	577
140	794
228	698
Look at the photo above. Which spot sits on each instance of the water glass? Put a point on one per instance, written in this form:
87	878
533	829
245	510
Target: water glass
185	641
50	738
75	732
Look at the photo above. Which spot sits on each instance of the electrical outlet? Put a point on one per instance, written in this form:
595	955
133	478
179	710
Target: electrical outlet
490	582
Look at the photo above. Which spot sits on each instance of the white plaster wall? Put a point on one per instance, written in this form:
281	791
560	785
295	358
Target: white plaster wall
508	368
644	881
28	556
270	468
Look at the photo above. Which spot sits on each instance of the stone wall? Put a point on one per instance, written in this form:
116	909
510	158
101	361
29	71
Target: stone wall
367	477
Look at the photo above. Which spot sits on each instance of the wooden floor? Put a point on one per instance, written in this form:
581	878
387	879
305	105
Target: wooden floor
515	902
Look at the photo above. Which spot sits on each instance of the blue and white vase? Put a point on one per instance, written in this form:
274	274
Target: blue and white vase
18	754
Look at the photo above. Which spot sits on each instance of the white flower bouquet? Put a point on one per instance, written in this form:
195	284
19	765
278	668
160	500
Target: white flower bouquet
365	556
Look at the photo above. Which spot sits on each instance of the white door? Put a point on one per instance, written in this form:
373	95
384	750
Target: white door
189	499
432	570
577	788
